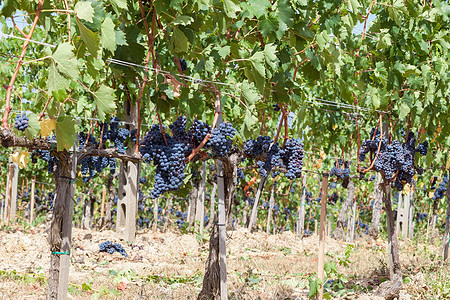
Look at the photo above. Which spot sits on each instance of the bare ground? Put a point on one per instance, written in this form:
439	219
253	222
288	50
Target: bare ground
170	265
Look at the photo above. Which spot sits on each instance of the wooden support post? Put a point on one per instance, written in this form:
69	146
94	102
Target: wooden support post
329	228
61	226
127	204
315	226
351	223
446	238
254	215
301	210
33	190
222	232
323	220
202	193
11	191
269	214
102	207
212	205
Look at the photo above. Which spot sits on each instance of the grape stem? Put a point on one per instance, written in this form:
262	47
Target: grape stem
378	150
91	128
278	130
19	63
18	28
150	41
163	133
216	116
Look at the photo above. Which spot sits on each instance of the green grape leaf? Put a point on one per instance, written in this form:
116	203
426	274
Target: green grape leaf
120	3
249	92
404	111
56	81
89	38
353	5
66	62
108	38
257	8
84	11
257	61
268	25
182	20
231	8
105	100
34	127
65	132
224	51
270	51
285	12
179	42
120	38
82	104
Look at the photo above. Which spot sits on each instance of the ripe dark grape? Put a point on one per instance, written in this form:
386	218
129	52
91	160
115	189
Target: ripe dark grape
199	130
183	65
110	248
220	141
422	148
440	191
292	157
256	148
169	160
21	122
395	159
276	107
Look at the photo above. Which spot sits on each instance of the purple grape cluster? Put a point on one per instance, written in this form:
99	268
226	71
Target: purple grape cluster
440	191
21	122
110	248
422	148
272	160
340	172
393	158
220	141
169	160
183	64
199	130
89	166
292	157
256	148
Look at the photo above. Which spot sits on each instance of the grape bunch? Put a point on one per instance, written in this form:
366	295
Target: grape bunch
340	172
110	248
89	166
422	148
21	122
393	159
292	157
169	160
272	160
256	148
220	141
179	130
199	130
333	198
183	64
276	107
240	175
440	191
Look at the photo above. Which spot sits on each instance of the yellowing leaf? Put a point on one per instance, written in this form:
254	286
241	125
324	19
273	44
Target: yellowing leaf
24	158
322	154
406	189
15	157
47	126
21	158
